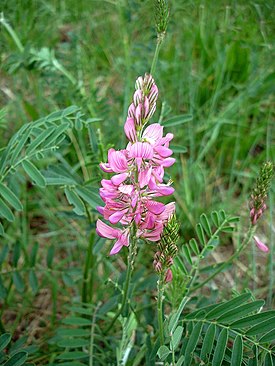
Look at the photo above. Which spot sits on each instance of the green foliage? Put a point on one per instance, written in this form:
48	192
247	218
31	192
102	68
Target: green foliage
209	331
10	354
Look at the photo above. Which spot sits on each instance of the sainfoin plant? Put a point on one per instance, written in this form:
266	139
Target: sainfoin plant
123	279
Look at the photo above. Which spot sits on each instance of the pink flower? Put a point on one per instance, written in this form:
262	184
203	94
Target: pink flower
138	171
261	245
106	231
169	275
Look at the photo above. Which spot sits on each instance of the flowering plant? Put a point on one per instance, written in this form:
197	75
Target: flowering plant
130	195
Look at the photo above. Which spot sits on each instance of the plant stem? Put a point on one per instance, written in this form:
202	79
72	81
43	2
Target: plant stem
130	266
87	268
12	33
160	308
156	55
244	244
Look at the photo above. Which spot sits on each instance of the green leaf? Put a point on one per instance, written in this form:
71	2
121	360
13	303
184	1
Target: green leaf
72	332
205	223
226	306
237	352
178	149
4	341
50	256
200	233
33	254
73	343
72	355
194	246
263	327
222	215
208	342
10	197
33	173
252	320
70	110
18	282
163	352
3	290
268	360
177	120
187	254
192	343
180	265
4	253
74	200
268	337
20	145
227	229
59	130
220	348
89	196
215	218
2	232
33	281
39	139
233	219
180	361
17	359
176	337
72	363
240	311
16	254
5	211
174	318
92	120
75	320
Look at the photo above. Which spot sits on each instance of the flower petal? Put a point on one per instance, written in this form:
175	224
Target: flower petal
106	231
153	132
117	216
155	207
130	129
119	178
261	245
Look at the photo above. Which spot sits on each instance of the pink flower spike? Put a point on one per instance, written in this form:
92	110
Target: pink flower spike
169	275
261	245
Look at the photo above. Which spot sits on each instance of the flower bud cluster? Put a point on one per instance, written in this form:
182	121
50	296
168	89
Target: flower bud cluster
138	172
167	248
259	193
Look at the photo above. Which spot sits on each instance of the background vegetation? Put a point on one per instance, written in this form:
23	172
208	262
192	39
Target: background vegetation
216	81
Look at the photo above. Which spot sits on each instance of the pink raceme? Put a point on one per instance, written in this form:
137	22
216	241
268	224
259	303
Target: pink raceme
129	196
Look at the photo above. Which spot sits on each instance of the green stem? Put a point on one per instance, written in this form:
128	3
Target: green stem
87	267
156	55
11	33
130	266
160	308
244	244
